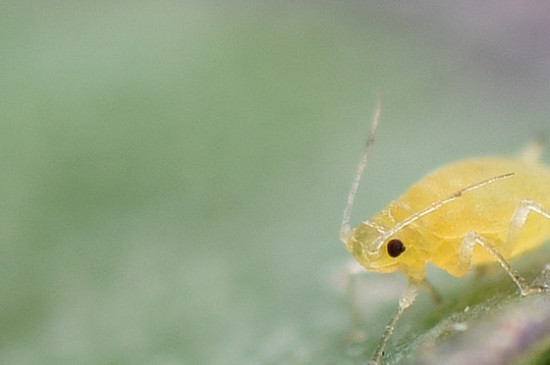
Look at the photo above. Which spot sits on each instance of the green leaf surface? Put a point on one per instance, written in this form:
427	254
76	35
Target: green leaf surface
174	173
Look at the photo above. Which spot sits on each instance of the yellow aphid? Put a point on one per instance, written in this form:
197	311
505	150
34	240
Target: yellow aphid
467	213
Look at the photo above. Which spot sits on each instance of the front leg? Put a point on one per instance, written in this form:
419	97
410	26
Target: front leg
406	299
465	259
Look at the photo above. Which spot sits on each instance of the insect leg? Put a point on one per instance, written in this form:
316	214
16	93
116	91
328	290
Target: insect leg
518	220
353	270
465	258
406	299
432	291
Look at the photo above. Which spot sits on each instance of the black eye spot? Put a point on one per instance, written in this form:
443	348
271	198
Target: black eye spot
395	247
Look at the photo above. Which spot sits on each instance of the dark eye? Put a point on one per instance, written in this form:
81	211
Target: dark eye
395	247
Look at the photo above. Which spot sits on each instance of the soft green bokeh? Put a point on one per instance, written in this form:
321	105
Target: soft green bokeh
174	173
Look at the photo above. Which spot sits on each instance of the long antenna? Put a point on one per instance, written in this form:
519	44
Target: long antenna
436	205
345	228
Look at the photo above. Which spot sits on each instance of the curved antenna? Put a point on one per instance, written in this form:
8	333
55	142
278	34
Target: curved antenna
435	205
345	228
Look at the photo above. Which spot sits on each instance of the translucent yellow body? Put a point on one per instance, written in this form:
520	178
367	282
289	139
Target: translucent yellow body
437	236
467	213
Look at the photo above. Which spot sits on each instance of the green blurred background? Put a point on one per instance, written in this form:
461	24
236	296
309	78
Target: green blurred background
174	173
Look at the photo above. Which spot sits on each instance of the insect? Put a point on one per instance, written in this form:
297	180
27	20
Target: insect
467	213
